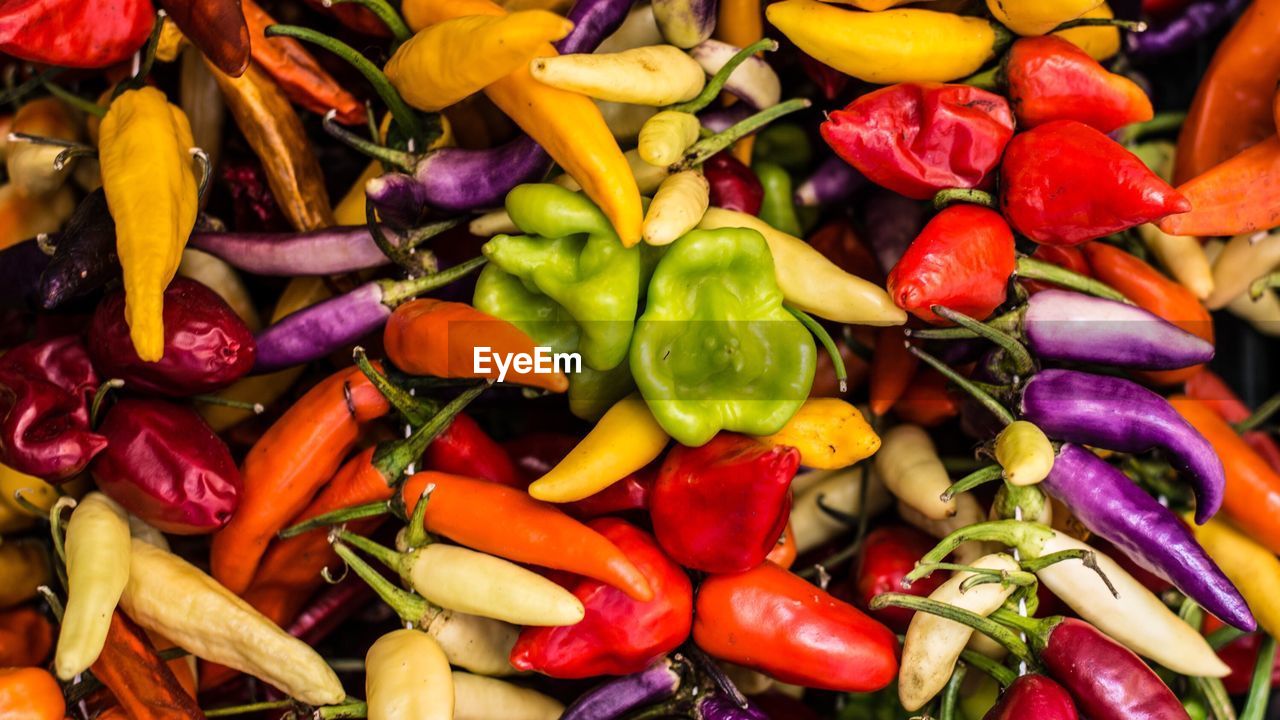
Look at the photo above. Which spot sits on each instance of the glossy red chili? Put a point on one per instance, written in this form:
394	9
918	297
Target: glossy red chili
1034	696
74	33
1049	78
886	556
733	185
464	448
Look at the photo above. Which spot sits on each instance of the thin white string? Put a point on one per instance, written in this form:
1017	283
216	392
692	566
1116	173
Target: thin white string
1022	600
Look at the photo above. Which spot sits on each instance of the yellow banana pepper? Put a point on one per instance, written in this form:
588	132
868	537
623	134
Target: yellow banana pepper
448	61
14	517
626	439
24	566
147	174
901	45
678	207
666	136
1098	41
1024	452
656	75
97	549
1037	17
829	433
1253	569
407	678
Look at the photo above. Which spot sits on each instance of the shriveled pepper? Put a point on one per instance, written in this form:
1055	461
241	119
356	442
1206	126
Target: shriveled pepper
829	433
217	27
97	550
407	677
94	34
293	67
30	693
919	138
1049	79
139	679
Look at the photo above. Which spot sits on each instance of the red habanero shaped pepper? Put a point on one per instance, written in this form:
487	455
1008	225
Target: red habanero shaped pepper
74	33
733	185
722	507
888	554
1049	78
962	260
919	138
1064	183
617	635
771	620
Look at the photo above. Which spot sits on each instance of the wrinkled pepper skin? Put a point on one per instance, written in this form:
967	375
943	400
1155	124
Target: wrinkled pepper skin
84	257
618	635
45	389
1034	696
721	508
733	185
962	260
773	621
206	345
166	466
1064	183
81	34
217	27
887	555
1049	79
919	138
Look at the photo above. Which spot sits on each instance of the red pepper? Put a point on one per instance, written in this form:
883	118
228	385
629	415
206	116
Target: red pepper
892	369
464	448
722	507
74	33
887	555
217	27
165	465
1208	388
1241	655
963	260
1063	256
354	17
773	621
839	242
919	138
253	207
733	185
45	388
1163	8
928	401
617	635
1063	183
535	454
1034	696
1049	78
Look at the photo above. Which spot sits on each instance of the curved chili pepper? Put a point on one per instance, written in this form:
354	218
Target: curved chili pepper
139	679
1209	389
296	71
1049	78
886	556
892	369
75	33
733	185
1238	195
614	698
331	251
217	27
535	454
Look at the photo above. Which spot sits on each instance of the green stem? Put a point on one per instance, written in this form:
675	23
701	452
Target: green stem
415	237
82	104
1130	25
1017	353
385	13
413	263
951	694
982	396
14	93
700	151
1016	578
1255	707
973	480
391	461
415	411
20	499
415	533
394	293
1216	697
1086	557
411	608
988	79
357	709
95	408
1160	123
399	159
1026	536
148	59
253	407
820	332
951	196
1190	613
987	626
1259	416
1259	287
714	85
1224	636
402	113
1033	269
337	517
249	708
1010	323
998	672
383	554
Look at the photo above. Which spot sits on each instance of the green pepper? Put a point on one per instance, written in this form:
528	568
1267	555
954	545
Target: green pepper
786	144
715	349
777	208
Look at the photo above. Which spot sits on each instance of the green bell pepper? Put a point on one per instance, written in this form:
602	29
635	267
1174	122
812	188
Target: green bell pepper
715	349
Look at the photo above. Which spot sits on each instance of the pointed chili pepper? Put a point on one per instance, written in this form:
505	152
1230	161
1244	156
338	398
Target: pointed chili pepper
96	547
1049	79
892	369
139	679
614	698
331	251
1209	389
407	676
1063	183
1179	27
1034	696
464	448
217	27
917	139
535	454
70	33
886	556
733	185
962	260
1239	195
84	257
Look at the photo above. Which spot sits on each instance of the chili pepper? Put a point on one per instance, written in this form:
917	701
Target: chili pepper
218	276
33	168
917	139
45	389
885	557
24	567
331	251
478	698
777	207
773	621
614	697
838	490
656	75
84	257
1237	264
26	637
30	693
1209	389
140	681
1181	31
242	639
105	32
1034	696
534	455
1232	106
753	81
1252	486
829	433
296	71
1031	18
274	131
733	186
15	517
22	217
832	181
619	634
217	27
685	23
666	136
626	439
289	463
1234	196
1251	566
151	191
465	449
97	557
1024	453
678	206
1045	198
892	369
1051	79
593	22
1121	415
911	470
407	676
739	22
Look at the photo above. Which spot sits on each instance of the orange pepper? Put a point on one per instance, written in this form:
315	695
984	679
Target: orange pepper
30	693
892	369
927	402
292	460
1154	292
1232	106
739	22
784	553
1238	195
26	637
1252	499
142	683
1212	391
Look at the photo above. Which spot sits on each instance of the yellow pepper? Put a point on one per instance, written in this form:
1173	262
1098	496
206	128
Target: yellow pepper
656	75
407	678
171	41
97	550
147	174
24	566
1098	41
902	45
448	61
1183	256
1037	17
14	517
872	5
829	433
626	439
811	282
666	136
567	125
911	469
1241	261
1024	452
1254	570
678	207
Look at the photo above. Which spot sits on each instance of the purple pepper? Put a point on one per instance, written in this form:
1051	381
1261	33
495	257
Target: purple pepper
1119	414
834	181
1114	507
84	257
593	21
685	23
333	606
1072	326
754	82
20	268
719	707
722	118
891	222
458	180
1194	22
620	696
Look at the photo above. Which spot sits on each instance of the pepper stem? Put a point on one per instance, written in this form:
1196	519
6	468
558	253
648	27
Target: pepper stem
1016	352
700	151
383	554
1259	287
414	410
824	337
1255	707
982	396
391	461
1259	416
417	236
986	626
415	533
55	603
1224	636
337	517
394	293
1026	536
71	153
1017	578
1033	269
1009	323
714	85
972	480
354	709
402	113
1088	558
411	608
206	170
404	257
253	407
250	708
1130	25
95	408
1161	122
998	672
147	60
951	196
988	79
389	156
951	694
384	12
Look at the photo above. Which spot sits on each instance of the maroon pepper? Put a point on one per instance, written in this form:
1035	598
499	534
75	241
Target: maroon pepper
887	555
464	448
165	465
45	390
1034	696
721	508
733	185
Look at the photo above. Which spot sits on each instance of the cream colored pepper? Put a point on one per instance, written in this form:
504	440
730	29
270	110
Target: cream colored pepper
476	697
677	208
666	136
841	491
407	677
1024	452
97	550
911	469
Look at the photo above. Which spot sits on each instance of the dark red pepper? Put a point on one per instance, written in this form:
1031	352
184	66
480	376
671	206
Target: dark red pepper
919	138
464	448
217	27
1049	78
839	242
1034	696
617	635
45	390
253	207
928	400
166	466
722	507
886	556
74	33
1241	655
733	185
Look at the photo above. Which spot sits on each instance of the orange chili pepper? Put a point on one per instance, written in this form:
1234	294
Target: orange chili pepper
1232	106
1238	195
26	637
784	553
1154	292
927	402
1209	389
892	369
31	693
439	338
1252	498
739	22
142	683
288	465
508	523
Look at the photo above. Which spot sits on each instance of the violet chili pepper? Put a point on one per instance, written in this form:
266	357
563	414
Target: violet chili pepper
325	327
890	222
1194	22
593	21
722	118
685	23
620	696
20	268
331	251
1034	696
84	257
834	181
718	707
1119	414
1114	507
